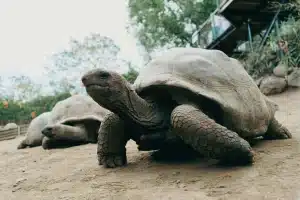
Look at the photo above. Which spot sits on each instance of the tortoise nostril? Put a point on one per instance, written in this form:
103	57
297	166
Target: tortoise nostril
83	79
47	130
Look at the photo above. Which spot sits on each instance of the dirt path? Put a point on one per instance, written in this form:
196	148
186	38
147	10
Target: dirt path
73	173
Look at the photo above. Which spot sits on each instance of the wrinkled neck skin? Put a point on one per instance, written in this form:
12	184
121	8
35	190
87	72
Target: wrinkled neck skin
130	106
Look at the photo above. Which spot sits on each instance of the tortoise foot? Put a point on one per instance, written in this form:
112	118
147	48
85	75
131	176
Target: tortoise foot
277	131
112	160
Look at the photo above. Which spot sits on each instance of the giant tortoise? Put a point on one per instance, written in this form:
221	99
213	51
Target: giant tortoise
203	97
73	121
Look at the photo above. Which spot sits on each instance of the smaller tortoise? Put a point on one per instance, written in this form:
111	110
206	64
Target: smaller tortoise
73	121
34	136
203	97
10	126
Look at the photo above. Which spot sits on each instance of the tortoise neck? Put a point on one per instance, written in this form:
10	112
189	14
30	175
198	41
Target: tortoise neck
140	111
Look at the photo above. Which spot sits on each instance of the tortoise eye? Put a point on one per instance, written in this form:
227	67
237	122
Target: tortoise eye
103	75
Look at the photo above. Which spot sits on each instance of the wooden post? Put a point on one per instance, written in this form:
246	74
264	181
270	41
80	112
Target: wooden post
19	130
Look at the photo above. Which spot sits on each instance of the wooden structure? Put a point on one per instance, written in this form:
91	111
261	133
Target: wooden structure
14	132
246	18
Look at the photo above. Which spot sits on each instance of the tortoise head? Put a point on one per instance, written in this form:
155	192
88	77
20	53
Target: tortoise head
112	91
106	87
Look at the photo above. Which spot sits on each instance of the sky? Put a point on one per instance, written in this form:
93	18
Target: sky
32	30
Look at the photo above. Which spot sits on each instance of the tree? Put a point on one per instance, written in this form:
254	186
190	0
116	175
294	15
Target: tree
93	51
165	23
24	88
62	85
46	103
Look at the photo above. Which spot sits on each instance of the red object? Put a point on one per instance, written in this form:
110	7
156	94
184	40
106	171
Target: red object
33	114
5	104
283	45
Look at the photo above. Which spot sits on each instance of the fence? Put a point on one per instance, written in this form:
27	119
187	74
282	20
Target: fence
13	133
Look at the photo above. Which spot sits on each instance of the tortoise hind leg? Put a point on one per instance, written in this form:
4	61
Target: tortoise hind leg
277	131
209	138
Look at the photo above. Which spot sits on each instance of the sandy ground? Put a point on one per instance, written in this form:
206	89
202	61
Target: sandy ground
73	173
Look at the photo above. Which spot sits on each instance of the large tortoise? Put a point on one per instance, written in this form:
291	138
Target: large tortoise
75	120
203	97
34	136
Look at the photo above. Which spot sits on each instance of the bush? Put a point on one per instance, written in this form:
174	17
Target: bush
20	113
259	63
131	75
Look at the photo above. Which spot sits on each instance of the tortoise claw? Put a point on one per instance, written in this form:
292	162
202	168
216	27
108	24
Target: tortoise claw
112	161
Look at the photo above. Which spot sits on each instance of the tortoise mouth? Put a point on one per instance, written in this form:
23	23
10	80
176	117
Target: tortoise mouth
95	89
96	86
93	86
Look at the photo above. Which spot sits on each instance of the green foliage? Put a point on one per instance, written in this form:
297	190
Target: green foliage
161	23
46	103
19	112
131	75
262	62
259	63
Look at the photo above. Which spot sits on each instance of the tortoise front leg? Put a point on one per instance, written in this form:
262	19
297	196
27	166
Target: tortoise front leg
277	131
112	140
48	143
209	138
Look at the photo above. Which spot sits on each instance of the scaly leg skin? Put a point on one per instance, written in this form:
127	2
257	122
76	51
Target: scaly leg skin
112	140
209	138
277	131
